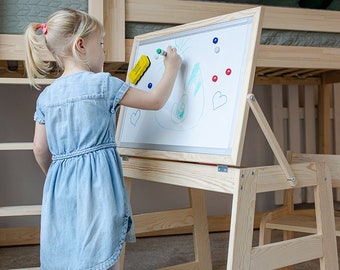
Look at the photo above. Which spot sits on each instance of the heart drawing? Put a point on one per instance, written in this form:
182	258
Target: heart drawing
135	117
219	100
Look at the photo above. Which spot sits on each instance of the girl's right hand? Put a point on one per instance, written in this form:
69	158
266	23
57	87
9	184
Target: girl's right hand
158	96
172	58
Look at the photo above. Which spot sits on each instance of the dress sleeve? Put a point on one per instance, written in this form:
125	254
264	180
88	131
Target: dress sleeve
39	115
116	89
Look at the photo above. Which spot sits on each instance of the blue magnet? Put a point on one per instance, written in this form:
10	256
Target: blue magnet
215	40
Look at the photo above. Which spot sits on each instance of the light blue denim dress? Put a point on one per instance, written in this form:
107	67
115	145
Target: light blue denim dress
86	215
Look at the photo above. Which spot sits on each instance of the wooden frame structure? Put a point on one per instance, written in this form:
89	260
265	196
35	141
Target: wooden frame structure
290	220
157	157
244	184
275	65
251	19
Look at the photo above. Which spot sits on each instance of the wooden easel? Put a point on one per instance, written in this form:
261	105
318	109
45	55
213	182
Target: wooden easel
191	171
243	184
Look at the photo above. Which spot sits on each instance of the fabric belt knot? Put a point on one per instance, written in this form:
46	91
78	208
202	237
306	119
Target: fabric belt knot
83	151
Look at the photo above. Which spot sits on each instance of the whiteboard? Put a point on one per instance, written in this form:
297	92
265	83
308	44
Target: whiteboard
206	113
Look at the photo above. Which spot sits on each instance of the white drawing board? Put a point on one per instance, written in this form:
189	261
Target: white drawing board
205	118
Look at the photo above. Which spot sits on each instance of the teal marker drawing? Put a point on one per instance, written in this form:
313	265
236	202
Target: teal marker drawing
161	52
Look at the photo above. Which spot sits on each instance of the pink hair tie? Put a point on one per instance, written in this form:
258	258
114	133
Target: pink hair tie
43	28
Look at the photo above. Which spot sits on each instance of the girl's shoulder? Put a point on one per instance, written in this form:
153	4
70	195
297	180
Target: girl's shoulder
73	85
83	75
80	84
92	78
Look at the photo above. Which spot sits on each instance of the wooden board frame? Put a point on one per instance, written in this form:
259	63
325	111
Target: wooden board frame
237	146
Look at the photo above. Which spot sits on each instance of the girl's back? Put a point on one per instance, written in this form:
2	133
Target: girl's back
79	111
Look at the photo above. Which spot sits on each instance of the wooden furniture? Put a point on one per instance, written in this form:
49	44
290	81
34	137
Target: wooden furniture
296	67
276	65
290	220
244	184
156	154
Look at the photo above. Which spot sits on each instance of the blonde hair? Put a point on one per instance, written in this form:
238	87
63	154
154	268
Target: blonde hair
59	37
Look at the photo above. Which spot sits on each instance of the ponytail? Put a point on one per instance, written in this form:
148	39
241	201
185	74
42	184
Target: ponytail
35	45
58	37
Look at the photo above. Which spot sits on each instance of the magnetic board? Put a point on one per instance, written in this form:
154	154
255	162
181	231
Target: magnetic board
205	118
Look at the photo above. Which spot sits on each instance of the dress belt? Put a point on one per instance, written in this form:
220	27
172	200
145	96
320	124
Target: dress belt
83	151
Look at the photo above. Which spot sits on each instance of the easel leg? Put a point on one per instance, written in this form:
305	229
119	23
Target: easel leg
324	210
201	231
242	221
286	236
128	184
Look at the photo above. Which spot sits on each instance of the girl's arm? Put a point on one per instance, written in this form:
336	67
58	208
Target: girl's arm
155	99
40	148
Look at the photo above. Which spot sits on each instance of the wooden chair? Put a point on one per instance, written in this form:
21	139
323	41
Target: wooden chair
287	218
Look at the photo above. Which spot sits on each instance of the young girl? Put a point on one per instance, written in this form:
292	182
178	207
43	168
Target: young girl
86	214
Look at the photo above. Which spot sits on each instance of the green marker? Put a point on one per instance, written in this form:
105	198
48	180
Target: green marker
161	52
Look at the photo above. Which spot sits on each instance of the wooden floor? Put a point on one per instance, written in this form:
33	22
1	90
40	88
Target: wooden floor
148	253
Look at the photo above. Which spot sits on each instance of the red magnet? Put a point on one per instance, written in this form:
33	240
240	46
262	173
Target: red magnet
228	71
214	78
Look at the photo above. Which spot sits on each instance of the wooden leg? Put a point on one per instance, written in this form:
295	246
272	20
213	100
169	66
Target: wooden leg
289	205
121	258
128	184
286	236
242	221
201	231
286	209
265	235
324	210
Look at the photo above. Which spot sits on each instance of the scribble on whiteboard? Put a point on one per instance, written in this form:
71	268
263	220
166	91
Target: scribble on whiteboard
181	47
195	79
219	100
178	112
135	116
188	104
